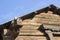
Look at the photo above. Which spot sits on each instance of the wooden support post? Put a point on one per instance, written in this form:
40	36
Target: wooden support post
50	34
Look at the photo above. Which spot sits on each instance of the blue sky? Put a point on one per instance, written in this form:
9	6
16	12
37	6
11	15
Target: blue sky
16	8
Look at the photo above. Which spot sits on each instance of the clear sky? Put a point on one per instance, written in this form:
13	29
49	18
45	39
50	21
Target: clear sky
16	8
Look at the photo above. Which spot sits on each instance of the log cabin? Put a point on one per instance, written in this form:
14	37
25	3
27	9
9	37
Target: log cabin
42	24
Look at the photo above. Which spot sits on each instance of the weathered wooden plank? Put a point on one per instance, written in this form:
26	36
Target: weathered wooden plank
32	23
47	17
30	38
30	27
48	22
56	38
30	32
52	27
